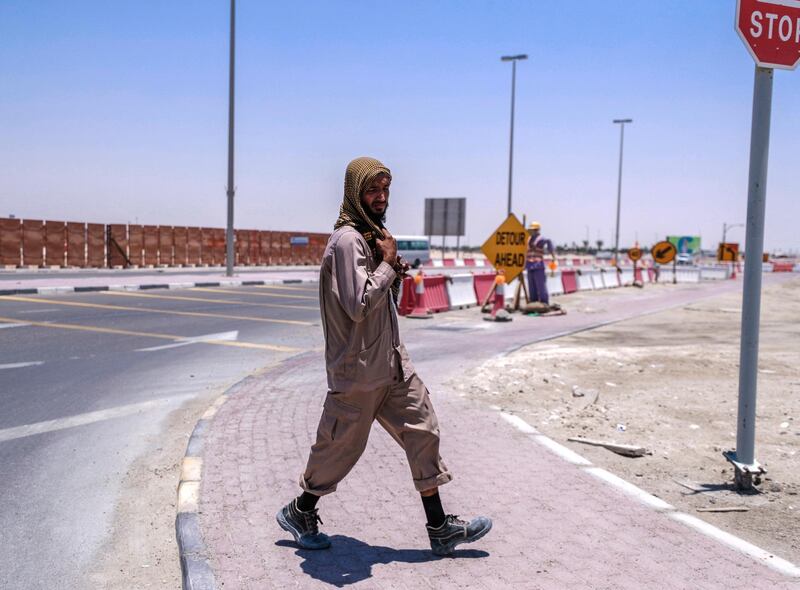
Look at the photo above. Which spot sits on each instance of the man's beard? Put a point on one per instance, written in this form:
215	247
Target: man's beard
377	218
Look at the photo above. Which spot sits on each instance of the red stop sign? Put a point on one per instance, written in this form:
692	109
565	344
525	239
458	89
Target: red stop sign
771	31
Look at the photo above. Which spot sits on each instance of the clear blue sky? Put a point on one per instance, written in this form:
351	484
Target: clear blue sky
117	111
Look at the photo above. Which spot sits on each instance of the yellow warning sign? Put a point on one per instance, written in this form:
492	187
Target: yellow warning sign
505	249
664	252
728	252
635	254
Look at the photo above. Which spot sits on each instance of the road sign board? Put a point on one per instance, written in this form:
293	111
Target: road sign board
635	254
728	252
770	30
664	252
505	249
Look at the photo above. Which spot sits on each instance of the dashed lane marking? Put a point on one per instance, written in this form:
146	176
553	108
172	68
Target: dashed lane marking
253	345
164	311
14	325
209	300
87	418
221	336
21	365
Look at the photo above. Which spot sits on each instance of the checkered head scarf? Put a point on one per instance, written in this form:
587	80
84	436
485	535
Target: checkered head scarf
357	178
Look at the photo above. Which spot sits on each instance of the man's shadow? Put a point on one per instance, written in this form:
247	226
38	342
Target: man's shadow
349	560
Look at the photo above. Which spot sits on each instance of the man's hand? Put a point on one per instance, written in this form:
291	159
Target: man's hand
387	247
401	267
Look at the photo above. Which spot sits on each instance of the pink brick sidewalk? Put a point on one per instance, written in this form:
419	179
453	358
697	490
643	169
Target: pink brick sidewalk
555	526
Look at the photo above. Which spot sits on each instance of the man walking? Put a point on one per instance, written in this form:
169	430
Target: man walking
370	376
537	278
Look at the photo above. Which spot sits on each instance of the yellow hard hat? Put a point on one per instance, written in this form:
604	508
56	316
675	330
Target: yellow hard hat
535	225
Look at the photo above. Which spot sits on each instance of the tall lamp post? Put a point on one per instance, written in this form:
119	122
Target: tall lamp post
230	191
621	123
513	59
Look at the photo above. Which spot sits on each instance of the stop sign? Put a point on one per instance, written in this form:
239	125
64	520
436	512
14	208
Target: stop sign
771	31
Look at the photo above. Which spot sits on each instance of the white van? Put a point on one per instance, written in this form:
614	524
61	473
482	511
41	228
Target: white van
415	249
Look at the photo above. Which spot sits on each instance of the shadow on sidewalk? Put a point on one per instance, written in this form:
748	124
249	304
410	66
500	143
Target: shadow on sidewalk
349	560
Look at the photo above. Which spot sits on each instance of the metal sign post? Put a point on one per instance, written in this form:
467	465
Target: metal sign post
746	468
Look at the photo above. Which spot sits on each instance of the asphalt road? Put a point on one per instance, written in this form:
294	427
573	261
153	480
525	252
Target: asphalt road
86	378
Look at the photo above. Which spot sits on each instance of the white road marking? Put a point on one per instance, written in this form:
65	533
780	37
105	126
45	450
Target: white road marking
87	418
565	453
762	556
757	553
38	310
12	325
21	365
629	488
228	336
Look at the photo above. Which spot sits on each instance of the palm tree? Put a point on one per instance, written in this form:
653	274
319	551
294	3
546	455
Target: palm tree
599	244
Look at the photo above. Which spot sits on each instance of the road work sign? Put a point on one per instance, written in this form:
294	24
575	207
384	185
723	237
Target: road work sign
770	30
635	254
728	252
664	252
505	249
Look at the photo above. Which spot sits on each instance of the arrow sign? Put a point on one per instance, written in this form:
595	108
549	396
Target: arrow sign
664	252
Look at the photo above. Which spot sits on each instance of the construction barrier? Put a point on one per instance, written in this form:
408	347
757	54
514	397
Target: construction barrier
95	245
608	276
10	242
406	298
555	284
585	280
796	268
462	291
711	273
767	267
483	284
782	267
626	277
688	275
32	242
638	275
55	248
436	293
569	281
596	276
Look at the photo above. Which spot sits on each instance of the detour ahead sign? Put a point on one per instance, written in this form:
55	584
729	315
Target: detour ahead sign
506	247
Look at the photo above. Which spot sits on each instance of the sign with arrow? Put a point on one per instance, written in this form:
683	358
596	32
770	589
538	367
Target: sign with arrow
664	252
728	252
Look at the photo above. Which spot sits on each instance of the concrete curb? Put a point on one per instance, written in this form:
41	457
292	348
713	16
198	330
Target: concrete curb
149	286
196	572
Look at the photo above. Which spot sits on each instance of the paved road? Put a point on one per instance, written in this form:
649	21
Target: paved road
86	379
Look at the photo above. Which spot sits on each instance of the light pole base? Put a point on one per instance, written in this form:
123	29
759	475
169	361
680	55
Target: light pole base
745	475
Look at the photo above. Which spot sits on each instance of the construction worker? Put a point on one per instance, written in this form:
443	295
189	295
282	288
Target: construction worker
538	247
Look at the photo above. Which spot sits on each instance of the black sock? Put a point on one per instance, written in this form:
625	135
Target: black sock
433	510
306	502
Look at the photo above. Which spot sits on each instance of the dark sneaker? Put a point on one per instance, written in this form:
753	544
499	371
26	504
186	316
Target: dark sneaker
303	526
455	531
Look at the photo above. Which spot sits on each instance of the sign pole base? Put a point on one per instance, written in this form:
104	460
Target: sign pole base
745	475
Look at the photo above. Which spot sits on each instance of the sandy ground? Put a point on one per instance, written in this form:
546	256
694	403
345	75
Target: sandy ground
142	551
669	382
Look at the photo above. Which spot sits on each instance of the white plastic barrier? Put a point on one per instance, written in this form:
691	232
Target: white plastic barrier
460	291
511	288
767	267
460	262
796	268
585	280
437	263
688	275
597	279
665	275
626	278
554	284
714	273
609	278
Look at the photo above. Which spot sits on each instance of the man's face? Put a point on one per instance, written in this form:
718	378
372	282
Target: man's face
375	199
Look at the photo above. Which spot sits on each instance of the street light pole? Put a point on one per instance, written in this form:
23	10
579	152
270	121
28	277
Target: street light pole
513	59
230	191
621	123
726	227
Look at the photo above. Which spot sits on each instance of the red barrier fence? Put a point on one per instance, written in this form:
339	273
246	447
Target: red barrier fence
436	293
408	297
32	242
483	284
570	281
782	266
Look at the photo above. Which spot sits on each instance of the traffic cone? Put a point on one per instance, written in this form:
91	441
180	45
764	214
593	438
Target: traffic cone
499	313
420	311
